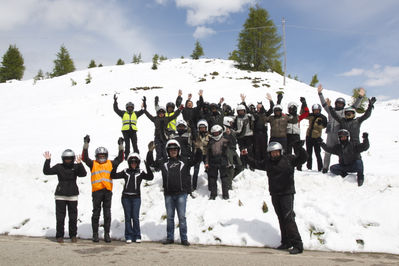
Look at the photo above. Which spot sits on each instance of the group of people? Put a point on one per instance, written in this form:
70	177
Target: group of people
209	133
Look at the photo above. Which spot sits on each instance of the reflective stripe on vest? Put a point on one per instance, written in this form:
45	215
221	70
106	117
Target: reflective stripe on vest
101	176
129	120
172	124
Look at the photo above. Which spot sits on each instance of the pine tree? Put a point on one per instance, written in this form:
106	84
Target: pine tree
120	62
63	64
12	65
100	65
198	51
314	81
258	43
155	62
88	78
92	64
163	58
137	59
39	76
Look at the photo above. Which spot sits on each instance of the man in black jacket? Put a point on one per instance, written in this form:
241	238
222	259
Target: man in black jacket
66	193
349	122
129	124
131	196
176	186
280	172
348	152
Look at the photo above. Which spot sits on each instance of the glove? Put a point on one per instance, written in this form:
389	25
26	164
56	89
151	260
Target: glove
144	102
86	139
279	97
120	141
319	122
156	100
365	135
319	140
115	97
151	146
372	101
181	107
303	100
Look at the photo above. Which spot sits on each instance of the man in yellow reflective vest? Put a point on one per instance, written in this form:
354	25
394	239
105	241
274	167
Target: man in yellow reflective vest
129	124
101	184
170	111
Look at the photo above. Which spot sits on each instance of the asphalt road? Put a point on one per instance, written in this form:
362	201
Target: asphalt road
15	250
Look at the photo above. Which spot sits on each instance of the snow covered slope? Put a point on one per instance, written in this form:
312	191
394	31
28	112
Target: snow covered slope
332	213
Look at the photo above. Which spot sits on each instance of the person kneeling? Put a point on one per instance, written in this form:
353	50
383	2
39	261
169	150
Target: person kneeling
348	152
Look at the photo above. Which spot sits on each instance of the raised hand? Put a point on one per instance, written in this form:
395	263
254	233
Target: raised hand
78	158
328	101
200	92
221	100
189	96
319	88
47	155
242	97
120	141
268	96
86	139
362	92
115	97
180	93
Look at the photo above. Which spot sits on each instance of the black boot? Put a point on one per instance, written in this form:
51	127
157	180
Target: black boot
107	238
95	237
295	251
324	171
284	246
168	242
360	180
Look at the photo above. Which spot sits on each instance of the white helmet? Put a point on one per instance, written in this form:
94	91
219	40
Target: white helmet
277	107
227	121
292	104
181	122
172	144
316	106
161	109
216	129
202	122
68	153
241	107
134	155
274	146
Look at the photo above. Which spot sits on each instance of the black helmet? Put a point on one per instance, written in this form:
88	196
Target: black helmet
341	101
129	104
170	104
213	105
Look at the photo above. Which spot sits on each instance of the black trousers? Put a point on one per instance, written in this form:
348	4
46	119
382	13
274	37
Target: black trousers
284	208
311	144
260	145
291	140
213	177
130	136
60	213
101	197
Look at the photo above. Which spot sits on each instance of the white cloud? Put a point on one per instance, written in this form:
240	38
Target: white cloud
161	2
353	72
378	76
202	32
201	12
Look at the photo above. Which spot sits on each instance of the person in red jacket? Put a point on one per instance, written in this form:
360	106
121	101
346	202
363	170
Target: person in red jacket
66	193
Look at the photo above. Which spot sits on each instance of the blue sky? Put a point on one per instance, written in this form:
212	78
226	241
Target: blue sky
348	43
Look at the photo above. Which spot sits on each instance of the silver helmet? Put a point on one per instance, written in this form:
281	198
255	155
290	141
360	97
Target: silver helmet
274	146
101	151
68	153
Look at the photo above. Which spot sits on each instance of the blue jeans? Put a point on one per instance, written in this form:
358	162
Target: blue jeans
339	169
172	203
131	207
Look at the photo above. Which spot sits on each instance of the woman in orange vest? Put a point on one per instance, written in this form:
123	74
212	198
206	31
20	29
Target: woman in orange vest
101	183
